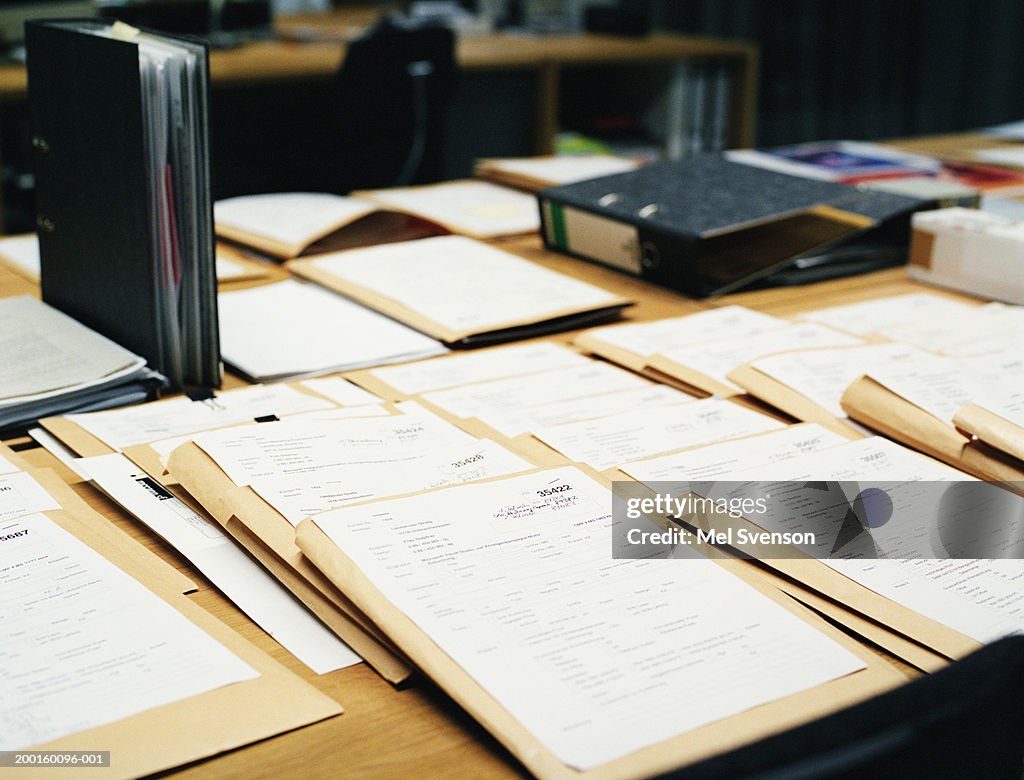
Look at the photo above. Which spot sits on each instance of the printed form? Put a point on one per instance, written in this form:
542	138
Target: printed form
595	657
82	644
291	447
226	565
120	428
652	338
621	438
483	366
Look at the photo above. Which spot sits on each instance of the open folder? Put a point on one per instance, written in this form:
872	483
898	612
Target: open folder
461	291
289	224
122	170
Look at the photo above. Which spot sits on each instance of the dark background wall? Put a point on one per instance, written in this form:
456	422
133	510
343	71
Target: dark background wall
870	69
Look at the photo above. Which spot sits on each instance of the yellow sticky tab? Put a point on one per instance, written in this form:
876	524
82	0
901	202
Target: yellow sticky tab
838	215
124	32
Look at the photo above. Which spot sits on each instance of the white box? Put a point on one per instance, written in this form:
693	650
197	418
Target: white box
968	250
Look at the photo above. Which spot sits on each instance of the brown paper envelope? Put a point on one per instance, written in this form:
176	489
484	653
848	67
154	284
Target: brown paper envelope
199	474
992	429
201	726
813	575
704	742
875	406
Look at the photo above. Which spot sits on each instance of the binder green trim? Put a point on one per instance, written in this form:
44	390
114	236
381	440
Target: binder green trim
558	232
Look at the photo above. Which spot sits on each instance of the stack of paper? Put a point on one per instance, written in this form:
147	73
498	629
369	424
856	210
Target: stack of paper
966	601
698	351
288	329
259	480
50	364
461	291
227	566
979	599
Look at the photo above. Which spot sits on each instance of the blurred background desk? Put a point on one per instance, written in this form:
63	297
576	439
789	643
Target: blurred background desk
515	94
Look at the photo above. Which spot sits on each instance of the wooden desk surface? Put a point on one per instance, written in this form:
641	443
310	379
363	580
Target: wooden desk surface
419	731
282	60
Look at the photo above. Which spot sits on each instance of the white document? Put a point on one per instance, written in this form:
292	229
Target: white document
822	375
879	314
84	644
942	386
476	208
291	329
564	169
650	338
22	251
482	366
120	428
937	385
513	423
227	566
345	413
58	449
729	458
982	330
983	599
299	496
164	447
21	495
291	447
341	391
717	358
521	392
595	657
462	284
228	270
44	353
1002	155
6	467
294	218
622	438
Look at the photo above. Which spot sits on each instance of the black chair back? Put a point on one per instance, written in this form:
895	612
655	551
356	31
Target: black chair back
392	94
